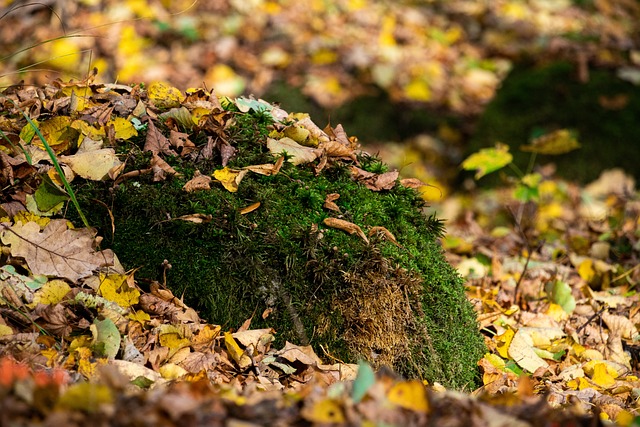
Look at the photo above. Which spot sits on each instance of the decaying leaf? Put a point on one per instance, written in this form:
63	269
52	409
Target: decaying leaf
94	165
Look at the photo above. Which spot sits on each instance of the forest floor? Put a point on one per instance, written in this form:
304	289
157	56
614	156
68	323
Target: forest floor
551	267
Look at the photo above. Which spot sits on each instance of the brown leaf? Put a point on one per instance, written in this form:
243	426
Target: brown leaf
198	182
375	182
196	218
386	233
346	226
197	362
181	141
57	251
161	168
412	183
329	202
156	142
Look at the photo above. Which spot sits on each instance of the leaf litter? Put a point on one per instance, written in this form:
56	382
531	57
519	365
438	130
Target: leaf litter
80	337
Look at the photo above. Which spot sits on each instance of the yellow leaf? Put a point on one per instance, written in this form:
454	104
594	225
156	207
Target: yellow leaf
410	395
172	338
488	160
5	330
602	376
139	316
230	178
114	287
164	96
326	411
586	271
324	57
557	313
51	293
252	207
94	165
58	133
225	80
86	368
503	341
124	128
64	54
171	371
88	397
578	384
236	352
417	90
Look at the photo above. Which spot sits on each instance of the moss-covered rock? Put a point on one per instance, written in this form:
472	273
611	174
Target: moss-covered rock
394	303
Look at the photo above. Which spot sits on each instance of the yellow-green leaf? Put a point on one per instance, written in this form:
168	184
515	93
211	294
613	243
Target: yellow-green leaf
557	142
488	160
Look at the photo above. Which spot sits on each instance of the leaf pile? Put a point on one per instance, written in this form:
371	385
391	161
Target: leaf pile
443	53
555	283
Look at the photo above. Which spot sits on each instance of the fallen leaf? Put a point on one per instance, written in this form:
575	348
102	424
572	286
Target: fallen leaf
198	182
346	226
410	395
106	338
230	178
298	154
94	165
252	207
329	202
57	251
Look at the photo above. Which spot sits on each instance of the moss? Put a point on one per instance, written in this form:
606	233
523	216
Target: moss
397	305
536	100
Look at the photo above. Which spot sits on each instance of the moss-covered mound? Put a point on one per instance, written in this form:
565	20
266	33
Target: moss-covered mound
360	295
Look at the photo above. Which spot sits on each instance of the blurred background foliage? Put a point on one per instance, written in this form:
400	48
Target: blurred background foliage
426	82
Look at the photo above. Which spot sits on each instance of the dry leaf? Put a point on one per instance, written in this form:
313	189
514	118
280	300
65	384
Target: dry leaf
347	226
57	251
198	182
375	182
161	168
329	202
386	233
250	208
298	154
156	142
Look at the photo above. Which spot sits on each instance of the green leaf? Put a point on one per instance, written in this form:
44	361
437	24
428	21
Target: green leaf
49	195
363	382
488	160
560	293
107	337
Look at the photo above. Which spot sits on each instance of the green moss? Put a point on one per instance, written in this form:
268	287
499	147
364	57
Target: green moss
398	305
536	100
